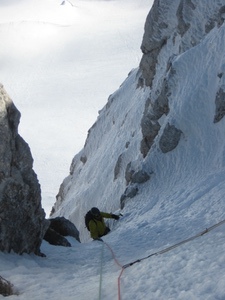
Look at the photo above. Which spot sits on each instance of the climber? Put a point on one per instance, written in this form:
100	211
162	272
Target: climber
94	221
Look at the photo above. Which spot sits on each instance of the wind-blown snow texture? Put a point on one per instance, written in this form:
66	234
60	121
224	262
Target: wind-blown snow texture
184	195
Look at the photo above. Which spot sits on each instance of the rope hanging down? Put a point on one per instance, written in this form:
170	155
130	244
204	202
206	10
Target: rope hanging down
101	268
119	265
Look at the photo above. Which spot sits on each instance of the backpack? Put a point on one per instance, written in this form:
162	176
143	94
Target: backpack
87	218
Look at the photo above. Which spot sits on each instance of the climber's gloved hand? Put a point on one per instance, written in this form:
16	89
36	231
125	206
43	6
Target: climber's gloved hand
115	217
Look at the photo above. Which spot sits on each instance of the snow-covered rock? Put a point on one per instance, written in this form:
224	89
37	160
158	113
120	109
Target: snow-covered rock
156	120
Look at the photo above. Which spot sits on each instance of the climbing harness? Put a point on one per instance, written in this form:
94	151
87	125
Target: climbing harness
123	267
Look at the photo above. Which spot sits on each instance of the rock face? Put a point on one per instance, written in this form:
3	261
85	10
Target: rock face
6	288
166	23
22	219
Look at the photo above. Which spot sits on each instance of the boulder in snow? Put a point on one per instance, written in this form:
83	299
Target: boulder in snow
59	228
64	227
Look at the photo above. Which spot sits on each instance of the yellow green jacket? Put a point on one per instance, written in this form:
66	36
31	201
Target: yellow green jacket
98	227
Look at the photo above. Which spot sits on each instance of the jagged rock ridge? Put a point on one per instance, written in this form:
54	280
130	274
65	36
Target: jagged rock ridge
22	219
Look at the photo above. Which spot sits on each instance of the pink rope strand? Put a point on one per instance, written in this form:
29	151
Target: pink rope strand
121	272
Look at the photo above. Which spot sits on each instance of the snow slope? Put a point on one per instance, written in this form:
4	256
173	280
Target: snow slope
59	64
193	81
191	271
184	196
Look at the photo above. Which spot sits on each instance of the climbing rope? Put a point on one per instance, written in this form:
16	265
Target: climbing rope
118	282
123	267
113	255
119	265
101	270
176	245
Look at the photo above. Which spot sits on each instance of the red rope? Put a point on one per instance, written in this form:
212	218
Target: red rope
121	272
156	253
119	290
113	255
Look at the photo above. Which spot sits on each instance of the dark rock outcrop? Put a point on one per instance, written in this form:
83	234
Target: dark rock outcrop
59	228
170	138
135	176
54	238
130	192
154	110
64	227
6	287
220	105
22	219
157	31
